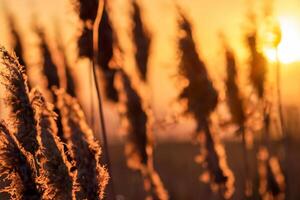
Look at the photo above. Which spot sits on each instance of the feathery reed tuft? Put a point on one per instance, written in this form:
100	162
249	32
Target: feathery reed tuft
137	140
18	48
49	67
15	168
258	65
234	99
202	99
271	178
22	116
55	178
268	183
139	144
142	41
87	9
238	115
91	178
106	41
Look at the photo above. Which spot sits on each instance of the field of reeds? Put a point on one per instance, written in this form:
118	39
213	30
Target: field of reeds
86	114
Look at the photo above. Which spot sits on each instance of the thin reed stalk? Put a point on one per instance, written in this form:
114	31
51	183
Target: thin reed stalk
96	48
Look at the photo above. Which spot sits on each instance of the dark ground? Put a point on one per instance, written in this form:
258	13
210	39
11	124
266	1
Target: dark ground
175	163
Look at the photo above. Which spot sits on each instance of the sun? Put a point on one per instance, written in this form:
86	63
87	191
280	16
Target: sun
289	47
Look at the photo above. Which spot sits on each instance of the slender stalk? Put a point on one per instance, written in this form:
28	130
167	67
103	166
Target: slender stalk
278	82
281	119
101	115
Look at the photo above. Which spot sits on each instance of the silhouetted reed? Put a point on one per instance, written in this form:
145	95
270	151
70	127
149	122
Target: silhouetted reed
142	41
21	116
69	80
55	179
202	99
91	177
49	67
16	168
139	144
17	42
258	65
271	178
269	187
87	9
106	41
238	115
234	99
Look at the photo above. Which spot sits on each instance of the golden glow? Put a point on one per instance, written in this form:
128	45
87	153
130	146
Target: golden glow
289	47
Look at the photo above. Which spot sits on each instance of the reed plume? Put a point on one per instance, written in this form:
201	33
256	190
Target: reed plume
15	168
234	99
91	177
202	99
18	48
142	41
14	80
271	178
258	65
49	67
269	187
238	115
139	144
55	179
70	83
87	12
86	9
106	41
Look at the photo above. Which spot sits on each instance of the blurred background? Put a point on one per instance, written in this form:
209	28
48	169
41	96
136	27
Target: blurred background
45	34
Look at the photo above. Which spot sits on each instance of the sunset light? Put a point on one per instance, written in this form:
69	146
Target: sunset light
289	47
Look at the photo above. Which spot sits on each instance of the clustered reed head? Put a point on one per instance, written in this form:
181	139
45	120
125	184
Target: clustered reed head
137	140
55	179
18	48
68	78
91	177
139	147
200	92
202	99
232	91
87	9
106	41
258	65
49	67
14	80
271	178
142	41
15	168
212	157
87	12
